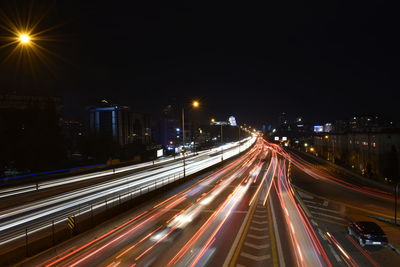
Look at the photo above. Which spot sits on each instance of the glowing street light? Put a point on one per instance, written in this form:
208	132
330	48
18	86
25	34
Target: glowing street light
213	120
196	104
24	38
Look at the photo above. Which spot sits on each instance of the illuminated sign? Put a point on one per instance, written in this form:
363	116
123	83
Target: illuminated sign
318	128
276	138
284	138
160	153
232	121
328	127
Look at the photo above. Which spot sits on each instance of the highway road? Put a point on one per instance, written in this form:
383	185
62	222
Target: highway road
244	213
191	217
36	217
265	208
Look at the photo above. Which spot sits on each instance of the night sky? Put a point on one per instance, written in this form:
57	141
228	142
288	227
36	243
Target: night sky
322	61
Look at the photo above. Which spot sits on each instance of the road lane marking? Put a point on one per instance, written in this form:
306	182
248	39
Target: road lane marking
346	205
275	261
319	208
328	216
240	237
322	234
330	221
278	239
258	229
310	201
304	195
260	216
255	258
258	236
256	246
260	222
337	257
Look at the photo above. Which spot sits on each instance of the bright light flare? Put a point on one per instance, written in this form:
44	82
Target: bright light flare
196	104
24	38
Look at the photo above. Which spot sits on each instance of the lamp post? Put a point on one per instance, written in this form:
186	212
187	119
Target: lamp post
222	139
195	104
24	38
239	128
222	144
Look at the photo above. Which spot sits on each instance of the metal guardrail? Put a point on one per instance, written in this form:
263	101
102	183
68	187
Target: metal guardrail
83	212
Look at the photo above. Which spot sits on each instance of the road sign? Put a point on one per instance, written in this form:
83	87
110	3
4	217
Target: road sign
71	222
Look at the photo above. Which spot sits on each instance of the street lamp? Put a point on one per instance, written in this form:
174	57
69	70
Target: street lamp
195	104
24	38
222	140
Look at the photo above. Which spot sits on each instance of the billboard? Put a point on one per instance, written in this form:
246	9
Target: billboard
232	121
276	138
328	127
160	153
318	128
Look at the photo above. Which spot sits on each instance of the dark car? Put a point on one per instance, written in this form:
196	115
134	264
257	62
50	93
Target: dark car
368	233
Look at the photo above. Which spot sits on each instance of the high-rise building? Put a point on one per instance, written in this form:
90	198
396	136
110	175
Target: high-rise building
112	123
119	125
